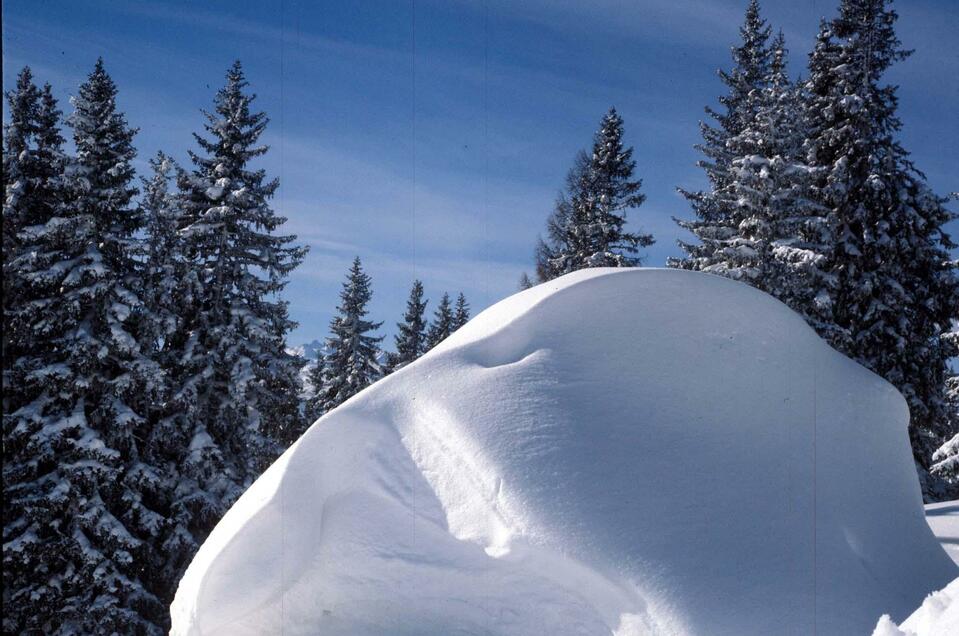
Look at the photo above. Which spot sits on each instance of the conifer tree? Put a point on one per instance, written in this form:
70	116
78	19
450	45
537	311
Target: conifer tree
165	270
587	228
314	405
945	461
776	238
33	165
442	325
351	363
410	338
192	500
895	287
715	225
82	514
461	313
525	282
19	181
237	375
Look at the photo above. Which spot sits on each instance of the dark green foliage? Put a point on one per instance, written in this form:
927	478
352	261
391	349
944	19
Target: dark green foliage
587	228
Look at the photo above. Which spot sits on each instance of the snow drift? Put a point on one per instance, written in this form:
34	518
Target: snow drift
938	616
615	452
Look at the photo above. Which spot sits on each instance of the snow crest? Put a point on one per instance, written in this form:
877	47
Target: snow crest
623	452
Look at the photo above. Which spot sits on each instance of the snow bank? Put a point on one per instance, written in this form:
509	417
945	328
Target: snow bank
615	452
937	616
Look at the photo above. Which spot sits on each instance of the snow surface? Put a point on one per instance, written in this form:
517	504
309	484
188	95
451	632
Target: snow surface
614	452
943	518
937	616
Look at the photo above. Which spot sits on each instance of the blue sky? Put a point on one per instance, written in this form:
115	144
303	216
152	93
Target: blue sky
431	138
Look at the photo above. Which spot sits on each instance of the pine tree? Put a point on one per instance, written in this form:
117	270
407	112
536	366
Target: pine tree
524	282
236	380
314	406
587	228
33	164
715	225
776	238
895	287
442	325
461	313
19	181
81	503
351	362
170	290
410	338
165	272
945	461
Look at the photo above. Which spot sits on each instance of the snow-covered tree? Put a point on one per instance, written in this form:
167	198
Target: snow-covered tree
777	238
351	363
461	312
895	287
442	325
410	338
945	461
164	288
236	376
192	501
33	164
81	495
715	225
587	228
19	181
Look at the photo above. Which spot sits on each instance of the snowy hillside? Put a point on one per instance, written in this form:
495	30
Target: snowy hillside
614	452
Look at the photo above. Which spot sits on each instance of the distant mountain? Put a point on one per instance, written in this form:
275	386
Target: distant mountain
310	350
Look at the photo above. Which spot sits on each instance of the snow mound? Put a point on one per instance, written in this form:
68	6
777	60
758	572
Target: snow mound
937	616
615	452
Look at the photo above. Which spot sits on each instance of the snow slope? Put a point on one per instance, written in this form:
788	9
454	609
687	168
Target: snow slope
615	452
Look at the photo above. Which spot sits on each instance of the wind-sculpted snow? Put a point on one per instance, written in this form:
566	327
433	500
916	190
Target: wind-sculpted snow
614	452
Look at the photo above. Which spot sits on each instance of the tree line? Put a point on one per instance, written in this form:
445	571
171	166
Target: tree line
810	198
353	359
146	381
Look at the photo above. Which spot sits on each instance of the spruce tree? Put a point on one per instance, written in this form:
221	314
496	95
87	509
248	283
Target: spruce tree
715	225
895	287
82	503
776	238
235	378
442	325
170	290
587	228
410	338
19	181
524	282
945	461
33	164
351	363
165	269
314	406
461	313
